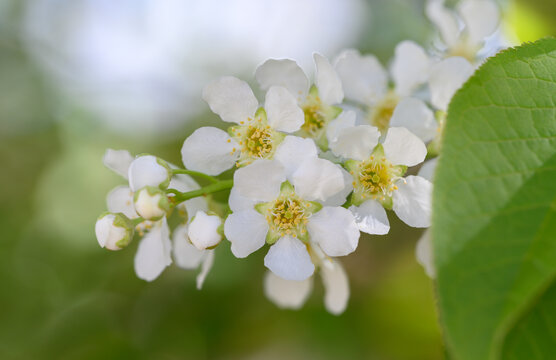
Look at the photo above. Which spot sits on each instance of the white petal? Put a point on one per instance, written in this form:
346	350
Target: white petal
481	18
336	287
410	67
412	201
293	151
184	183
345	120
424	254
289	259
238	202
231	98
414	115
282	110
328	82
287	294
284	73
335	230
444	20
186	255
147	171
401	147
247	231
356	142
371	218
203	230
317	179
117	161
427	170
209	150
340	197
153	253
446	77
363	78
120	199
208	261
260	180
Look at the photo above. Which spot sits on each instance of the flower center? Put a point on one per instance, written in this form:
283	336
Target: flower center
376	178
289	216
314	118
256	139
382	111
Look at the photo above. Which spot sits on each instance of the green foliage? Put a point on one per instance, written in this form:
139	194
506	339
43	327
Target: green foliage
494	219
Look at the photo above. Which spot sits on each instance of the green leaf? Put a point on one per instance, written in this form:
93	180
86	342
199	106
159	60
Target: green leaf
494	207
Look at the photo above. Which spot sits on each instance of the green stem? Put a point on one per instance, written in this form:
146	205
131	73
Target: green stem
204	191
137	221
195	173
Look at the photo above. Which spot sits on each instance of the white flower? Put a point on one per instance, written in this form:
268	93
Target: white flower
114	231
148	170
446	77
203	230
291	294
287	216
187	256
318	102
256	135
151	203
480	19
365	82
378	183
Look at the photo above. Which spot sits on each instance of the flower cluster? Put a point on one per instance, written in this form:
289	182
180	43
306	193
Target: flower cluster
314	164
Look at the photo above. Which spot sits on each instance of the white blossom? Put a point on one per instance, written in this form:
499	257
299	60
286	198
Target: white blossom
292	294
257	134
318	101
378	183
287	215
480	19
365	83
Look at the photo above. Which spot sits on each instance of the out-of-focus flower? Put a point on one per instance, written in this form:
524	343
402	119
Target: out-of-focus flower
479	17
318	101
446	77
365	83
189	257
291	294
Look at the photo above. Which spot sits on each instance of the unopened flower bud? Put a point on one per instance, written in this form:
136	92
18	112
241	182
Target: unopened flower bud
203	230
151	203
148	170
114	231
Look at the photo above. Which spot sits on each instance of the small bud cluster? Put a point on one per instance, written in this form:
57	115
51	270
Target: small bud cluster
315	164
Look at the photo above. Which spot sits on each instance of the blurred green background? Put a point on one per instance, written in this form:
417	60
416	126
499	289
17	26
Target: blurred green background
63	297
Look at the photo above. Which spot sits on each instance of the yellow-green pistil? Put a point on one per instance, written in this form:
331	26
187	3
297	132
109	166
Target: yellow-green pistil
317	117
257	140
288	214
381	113
374	178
